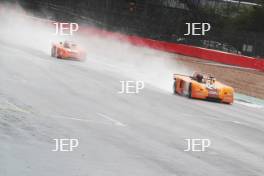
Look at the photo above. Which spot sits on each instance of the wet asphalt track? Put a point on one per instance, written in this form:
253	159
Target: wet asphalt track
42	98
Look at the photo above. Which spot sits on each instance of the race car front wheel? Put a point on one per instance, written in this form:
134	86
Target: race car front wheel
174	87
53	52
190	90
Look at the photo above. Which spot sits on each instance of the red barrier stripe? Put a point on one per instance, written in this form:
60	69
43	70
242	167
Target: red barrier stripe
202	53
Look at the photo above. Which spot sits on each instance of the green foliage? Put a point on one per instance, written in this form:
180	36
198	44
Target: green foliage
236	17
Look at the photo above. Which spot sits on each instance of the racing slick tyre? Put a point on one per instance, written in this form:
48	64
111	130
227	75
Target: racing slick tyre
174	87
53	50
190	90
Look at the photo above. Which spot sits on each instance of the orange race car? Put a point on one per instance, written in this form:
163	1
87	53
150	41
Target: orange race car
202	86
68	50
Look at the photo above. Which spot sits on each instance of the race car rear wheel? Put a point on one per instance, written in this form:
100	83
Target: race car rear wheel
190	90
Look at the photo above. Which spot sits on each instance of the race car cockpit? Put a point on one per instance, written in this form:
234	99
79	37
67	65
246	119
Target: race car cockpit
198	77
66	44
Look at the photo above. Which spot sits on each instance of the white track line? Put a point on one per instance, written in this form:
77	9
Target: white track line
71	118
77	119
16	108
249	104
89	121
116	122
218	119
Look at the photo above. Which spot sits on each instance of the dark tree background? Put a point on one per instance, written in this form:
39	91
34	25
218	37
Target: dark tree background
236	27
